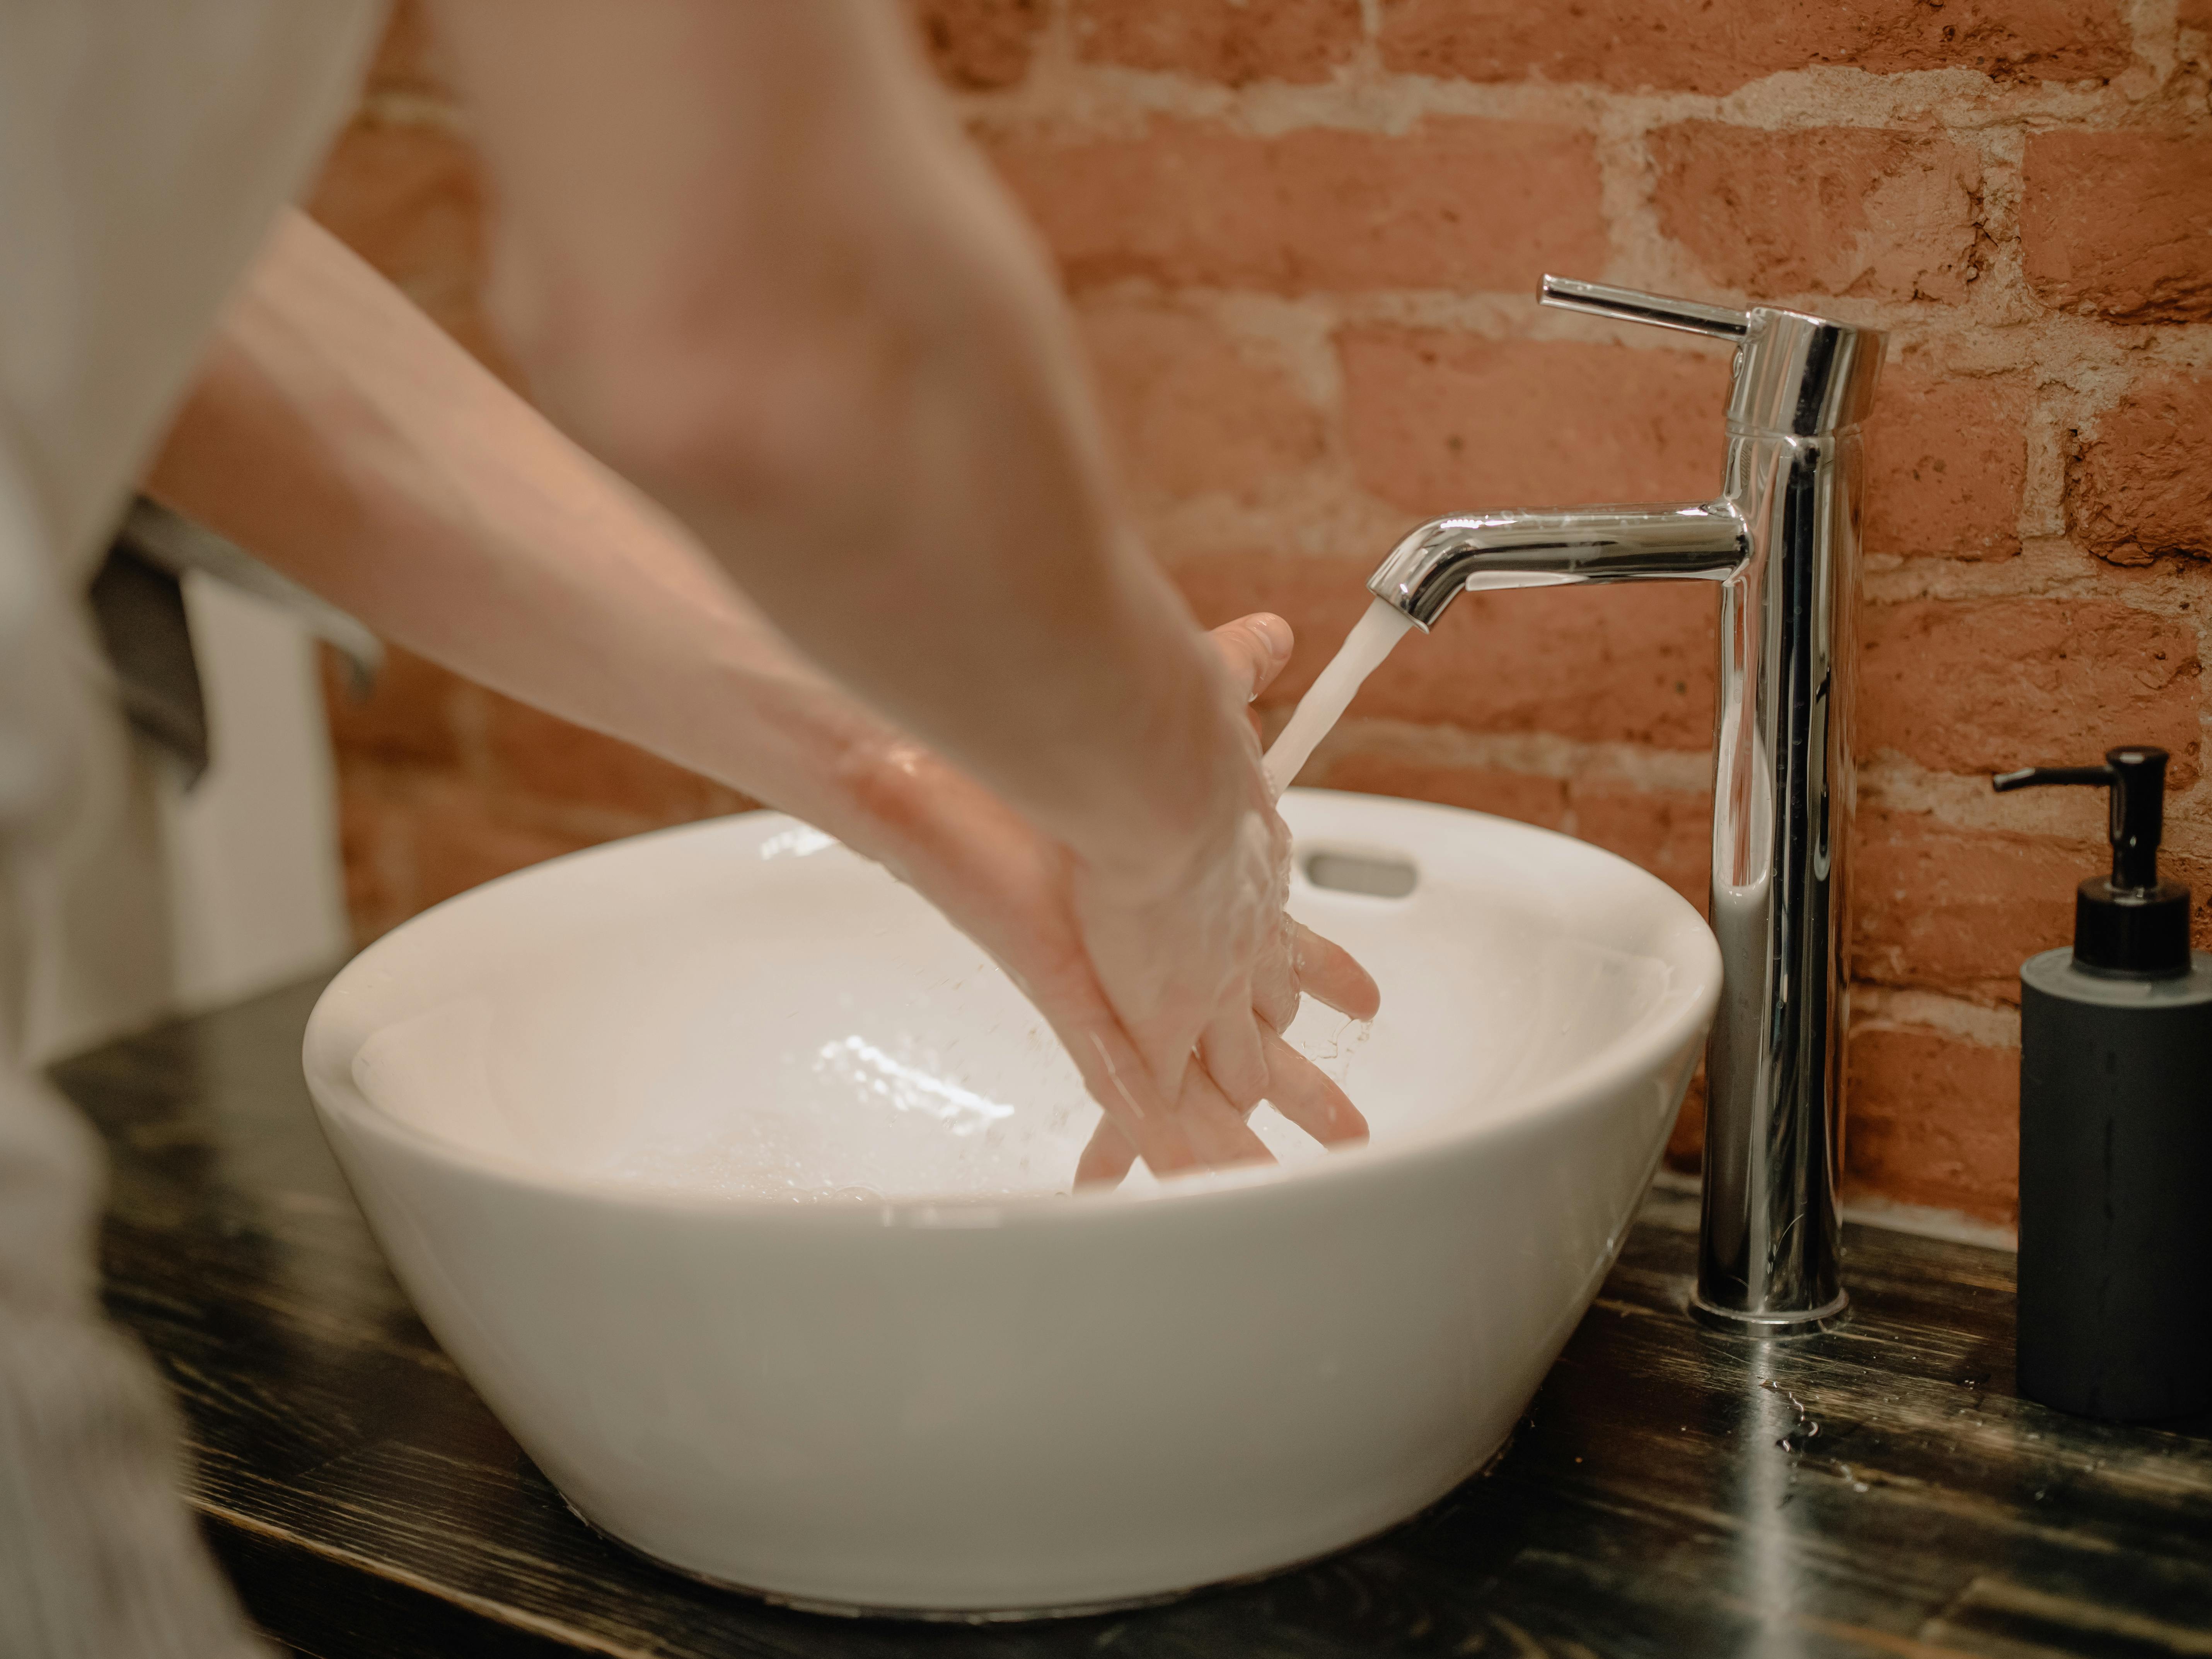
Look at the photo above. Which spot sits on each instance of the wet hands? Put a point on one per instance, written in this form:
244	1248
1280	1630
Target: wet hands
1203	970
1171	995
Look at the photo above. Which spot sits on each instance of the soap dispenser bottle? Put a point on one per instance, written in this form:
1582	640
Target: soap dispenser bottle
2115	1308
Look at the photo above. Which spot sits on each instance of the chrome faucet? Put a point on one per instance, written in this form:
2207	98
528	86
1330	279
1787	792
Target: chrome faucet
1781	541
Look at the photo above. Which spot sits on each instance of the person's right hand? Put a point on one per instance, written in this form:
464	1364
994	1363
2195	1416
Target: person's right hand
1112	972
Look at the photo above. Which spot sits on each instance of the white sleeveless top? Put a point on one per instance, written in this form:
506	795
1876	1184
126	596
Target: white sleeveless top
146	147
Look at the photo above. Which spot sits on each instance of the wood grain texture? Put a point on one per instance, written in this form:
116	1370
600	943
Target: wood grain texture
1878	1490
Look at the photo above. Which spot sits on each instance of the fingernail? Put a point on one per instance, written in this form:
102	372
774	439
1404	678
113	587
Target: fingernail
1276	632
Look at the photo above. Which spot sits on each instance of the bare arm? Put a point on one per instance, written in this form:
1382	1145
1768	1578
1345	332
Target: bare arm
337	433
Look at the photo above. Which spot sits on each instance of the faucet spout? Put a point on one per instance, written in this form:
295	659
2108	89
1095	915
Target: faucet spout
1448	557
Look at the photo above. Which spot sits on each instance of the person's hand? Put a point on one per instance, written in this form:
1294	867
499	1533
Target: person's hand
1206	972
1131	982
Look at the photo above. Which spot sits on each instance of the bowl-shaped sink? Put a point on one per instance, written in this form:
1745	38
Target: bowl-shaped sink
733	1178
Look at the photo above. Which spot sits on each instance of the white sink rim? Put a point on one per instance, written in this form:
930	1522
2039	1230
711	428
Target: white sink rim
1687	1005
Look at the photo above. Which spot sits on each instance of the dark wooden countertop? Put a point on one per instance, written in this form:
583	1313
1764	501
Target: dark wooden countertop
1668	1495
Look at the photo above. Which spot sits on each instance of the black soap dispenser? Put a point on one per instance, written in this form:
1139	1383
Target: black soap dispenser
2115	1309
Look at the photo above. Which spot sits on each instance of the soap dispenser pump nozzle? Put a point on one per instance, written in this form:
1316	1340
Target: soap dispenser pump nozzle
2131	924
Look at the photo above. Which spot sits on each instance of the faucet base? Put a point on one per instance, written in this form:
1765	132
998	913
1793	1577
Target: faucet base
1736	1322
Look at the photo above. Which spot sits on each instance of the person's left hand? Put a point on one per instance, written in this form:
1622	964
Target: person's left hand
1012	889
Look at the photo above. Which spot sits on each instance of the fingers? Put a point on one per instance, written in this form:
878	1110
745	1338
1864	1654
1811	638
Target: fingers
1120	1081
1170	1059
1327	971
1106	1158
1298	1088
1275	978
1217	1132
1229	1050
1203	1130
1255	647
1213	1129
1306	1095
1312	965
1224	1139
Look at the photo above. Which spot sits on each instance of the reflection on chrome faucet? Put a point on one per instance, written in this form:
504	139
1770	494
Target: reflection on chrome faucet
1781	541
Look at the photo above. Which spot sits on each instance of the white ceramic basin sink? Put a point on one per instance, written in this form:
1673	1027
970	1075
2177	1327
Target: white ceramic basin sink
733	1178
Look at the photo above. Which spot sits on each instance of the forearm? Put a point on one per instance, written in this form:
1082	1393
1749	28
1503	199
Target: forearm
760	271
338	433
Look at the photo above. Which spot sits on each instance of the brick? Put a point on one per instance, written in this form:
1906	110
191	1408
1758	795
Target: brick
1525	797
2143	487
1191	413
538	757
412	838
1442	423
1455	202
1946	461
1321	598
444	785
1226	40
2119	224
1942	907
978	44
379	881
410	200
1856	211
1953	908
1717	46
465	837
1933	1119
412	715
1632	664
1987	684
1668	832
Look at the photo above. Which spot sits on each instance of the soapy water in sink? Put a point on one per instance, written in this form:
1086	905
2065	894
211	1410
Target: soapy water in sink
1364	649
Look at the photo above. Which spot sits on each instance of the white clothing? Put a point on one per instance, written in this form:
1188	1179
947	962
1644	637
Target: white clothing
146	148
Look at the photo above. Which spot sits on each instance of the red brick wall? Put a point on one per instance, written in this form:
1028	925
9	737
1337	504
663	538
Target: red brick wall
1303	237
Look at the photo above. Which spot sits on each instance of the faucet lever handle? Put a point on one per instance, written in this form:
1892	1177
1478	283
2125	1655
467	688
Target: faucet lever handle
1629	305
